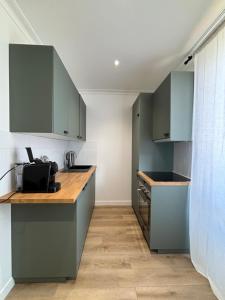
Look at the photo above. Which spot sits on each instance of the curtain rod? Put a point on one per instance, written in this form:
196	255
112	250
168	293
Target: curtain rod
206	36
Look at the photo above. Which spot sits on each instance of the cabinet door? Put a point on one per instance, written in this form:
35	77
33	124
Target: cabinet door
73	113
82	216
84	209
135	152
44	248
62	95
92	184
66	101
82	119
161	111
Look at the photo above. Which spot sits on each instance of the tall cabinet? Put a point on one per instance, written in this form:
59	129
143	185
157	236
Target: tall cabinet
146	155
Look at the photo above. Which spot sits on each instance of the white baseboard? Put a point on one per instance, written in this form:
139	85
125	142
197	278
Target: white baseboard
113	203
6	289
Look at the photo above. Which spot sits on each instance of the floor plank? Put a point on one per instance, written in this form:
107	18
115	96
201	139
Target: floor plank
197	292
117	265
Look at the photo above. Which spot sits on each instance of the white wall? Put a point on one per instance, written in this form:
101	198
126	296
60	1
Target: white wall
12	145
109	133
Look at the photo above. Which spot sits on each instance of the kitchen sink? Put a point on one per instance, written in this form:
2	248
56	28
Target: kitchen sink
78	168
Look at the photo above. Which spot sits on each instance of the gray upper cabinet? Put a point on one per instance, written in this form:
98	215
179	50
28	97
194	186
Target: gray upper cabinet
172	108
82	123
43	98
65	101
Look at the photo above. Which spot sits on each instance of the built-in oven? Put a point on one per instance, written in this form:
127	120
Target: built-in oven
144	204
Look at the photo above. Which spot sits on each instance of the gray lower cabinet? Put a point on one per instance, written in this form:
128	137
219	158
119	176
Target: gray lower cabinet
146	155
48	239
169	219
161	114
85	206
172	108
43	98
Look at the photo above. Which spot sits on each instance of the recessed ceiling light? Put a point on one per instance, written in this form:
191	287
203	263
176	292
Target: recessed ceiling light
116	62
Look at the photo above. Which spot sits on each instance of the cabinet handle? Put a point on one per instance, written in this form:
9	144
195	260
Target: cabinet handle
66	131
166	135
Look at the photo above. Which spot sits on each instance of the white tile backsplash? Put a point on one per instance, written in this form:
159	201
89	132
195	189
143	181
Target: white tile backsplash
12	150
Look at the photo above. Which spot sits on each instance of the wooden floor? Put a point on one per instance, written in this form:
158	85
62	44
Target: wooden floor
116	264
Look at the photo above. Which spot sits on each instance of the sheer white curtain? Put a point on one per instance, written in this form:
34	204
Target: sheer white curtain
207	195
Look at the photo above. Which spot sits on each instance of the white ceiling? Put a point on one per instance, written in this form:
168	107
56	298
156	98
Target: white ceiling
147	36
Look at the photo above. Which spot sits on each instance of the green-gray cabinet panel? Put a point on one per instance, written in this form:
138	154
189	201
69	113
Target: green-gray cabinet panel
161	115
172	108
82	133
91	195
61	95
48	239
43	241
182	94
169	225
66	101
43	98
30	88
135	153
84	212
146	155
152	156
74	114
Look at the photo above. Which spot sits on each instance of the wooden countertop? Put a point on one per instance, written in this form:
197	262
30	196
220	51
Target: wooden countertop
151	182
72	185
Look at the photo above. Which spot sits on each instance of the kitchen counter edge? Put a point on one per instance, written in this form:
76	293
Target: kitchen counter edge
151	182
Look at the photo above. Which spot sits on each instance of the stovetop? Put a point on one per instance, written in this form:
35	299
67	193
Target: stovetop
166	176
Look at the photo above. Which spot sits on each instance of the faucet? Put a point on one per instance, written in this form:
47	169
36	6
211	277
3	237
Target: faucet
70	158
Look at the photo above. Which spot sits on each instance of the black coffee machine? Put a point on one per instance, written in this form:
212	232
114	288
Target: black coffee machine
39	176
